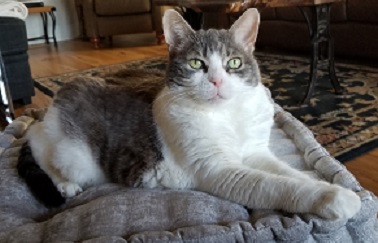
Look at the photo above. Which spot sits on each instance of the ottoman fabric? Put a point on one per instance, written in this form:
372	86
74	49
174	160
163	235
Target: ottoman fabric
14	46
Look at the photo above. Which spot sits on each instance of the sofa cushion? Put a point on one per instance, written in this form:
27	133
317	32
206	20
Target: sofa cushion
268	14
338	13
365	11
124	7
290	14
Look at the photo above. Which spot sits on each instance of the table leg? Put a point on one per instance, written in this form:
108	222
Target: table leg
52	15
45	25
318	20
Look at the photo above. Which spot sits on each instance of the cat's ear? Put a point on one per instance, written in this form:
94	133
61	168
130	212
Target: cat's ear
245	29
176	29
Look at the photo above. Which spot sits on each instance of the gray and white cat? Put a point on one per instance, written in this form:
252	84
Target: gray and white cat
207	130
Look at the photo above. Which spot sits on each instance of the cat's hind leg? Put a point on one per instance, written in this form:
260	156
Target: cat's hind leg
75	161
69	163
43	151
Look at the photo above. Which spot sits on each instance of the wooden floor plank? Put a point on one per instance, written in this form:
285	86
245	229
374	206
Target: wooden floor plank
76	55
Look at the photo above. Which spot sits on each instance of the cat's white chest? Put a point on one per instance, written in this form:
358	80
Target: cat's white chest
192	134
247	125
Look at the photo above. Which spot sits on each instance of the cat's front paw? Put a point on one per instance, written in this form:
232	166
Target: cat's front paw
69	189
338	203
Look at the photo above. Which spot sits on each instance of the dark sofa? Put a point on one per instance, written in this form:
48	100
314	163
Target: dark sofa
14	46
354	27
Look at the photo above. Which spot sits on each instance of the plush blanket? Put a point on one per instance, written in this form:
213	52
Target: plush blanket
113	213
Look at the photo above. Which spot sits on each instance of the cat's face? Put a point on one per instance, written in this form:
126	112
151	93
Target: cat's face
214	65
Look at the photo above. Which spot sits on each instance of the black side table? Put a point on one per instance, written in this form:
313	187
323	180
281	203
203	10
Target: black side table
43	11
318	21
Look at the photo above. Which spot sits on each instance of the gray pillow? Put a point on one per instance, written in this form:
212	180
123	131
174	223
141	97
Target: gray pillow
113	213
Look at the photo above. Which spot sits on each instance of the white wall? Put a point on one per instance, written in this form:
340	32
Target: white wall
66	19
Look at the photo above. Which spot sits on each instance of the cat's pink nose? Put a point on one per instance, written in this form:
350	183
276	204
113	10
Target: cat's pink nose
216	82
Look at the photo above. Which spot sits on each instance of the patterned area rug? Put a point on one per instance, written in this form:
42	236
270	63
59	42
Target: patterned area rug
346	125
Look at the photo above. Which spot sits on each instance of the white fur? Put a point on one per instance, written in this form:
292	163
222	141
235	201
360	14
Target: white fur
228	130
68	162
245	29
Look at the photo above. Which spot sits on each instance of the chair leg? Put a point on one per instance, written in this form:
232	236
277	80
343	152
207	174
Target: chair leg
96	42
110	40
160	38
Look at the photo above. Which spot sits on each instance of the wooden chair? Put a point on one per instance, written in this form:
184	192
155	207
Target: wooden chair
100	18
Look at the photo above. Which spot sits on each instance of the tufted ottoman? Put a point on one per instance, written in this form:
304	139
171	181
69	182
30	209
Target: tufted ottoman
14	46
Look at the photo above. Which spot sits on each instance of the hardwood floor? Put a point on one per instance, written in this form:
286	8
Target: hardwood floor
75	55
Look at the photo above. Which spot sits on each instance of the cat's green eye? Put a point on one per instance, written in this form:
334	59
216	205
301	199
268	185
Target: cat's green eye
234	63
195	63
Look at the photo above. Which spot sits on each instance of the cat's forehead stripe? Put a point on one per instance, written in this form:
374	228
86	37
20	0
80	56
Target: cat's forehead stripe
212	41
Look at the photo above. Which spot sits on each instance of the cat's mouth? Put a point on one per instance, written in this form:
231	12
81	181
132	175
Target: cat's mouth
217	97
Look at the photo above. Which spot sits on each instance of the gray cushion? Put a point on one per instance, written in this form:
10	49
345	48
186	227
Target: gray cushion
113	213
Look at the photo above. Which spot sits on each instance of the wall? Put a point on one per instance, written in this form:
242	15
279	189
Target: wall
67	24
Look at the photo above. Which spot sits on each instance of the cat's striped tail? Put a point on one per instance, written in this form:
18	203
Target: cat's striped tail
37	180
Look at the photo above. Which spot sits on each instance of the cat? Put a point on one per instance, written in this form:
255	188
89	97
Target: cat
208	130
